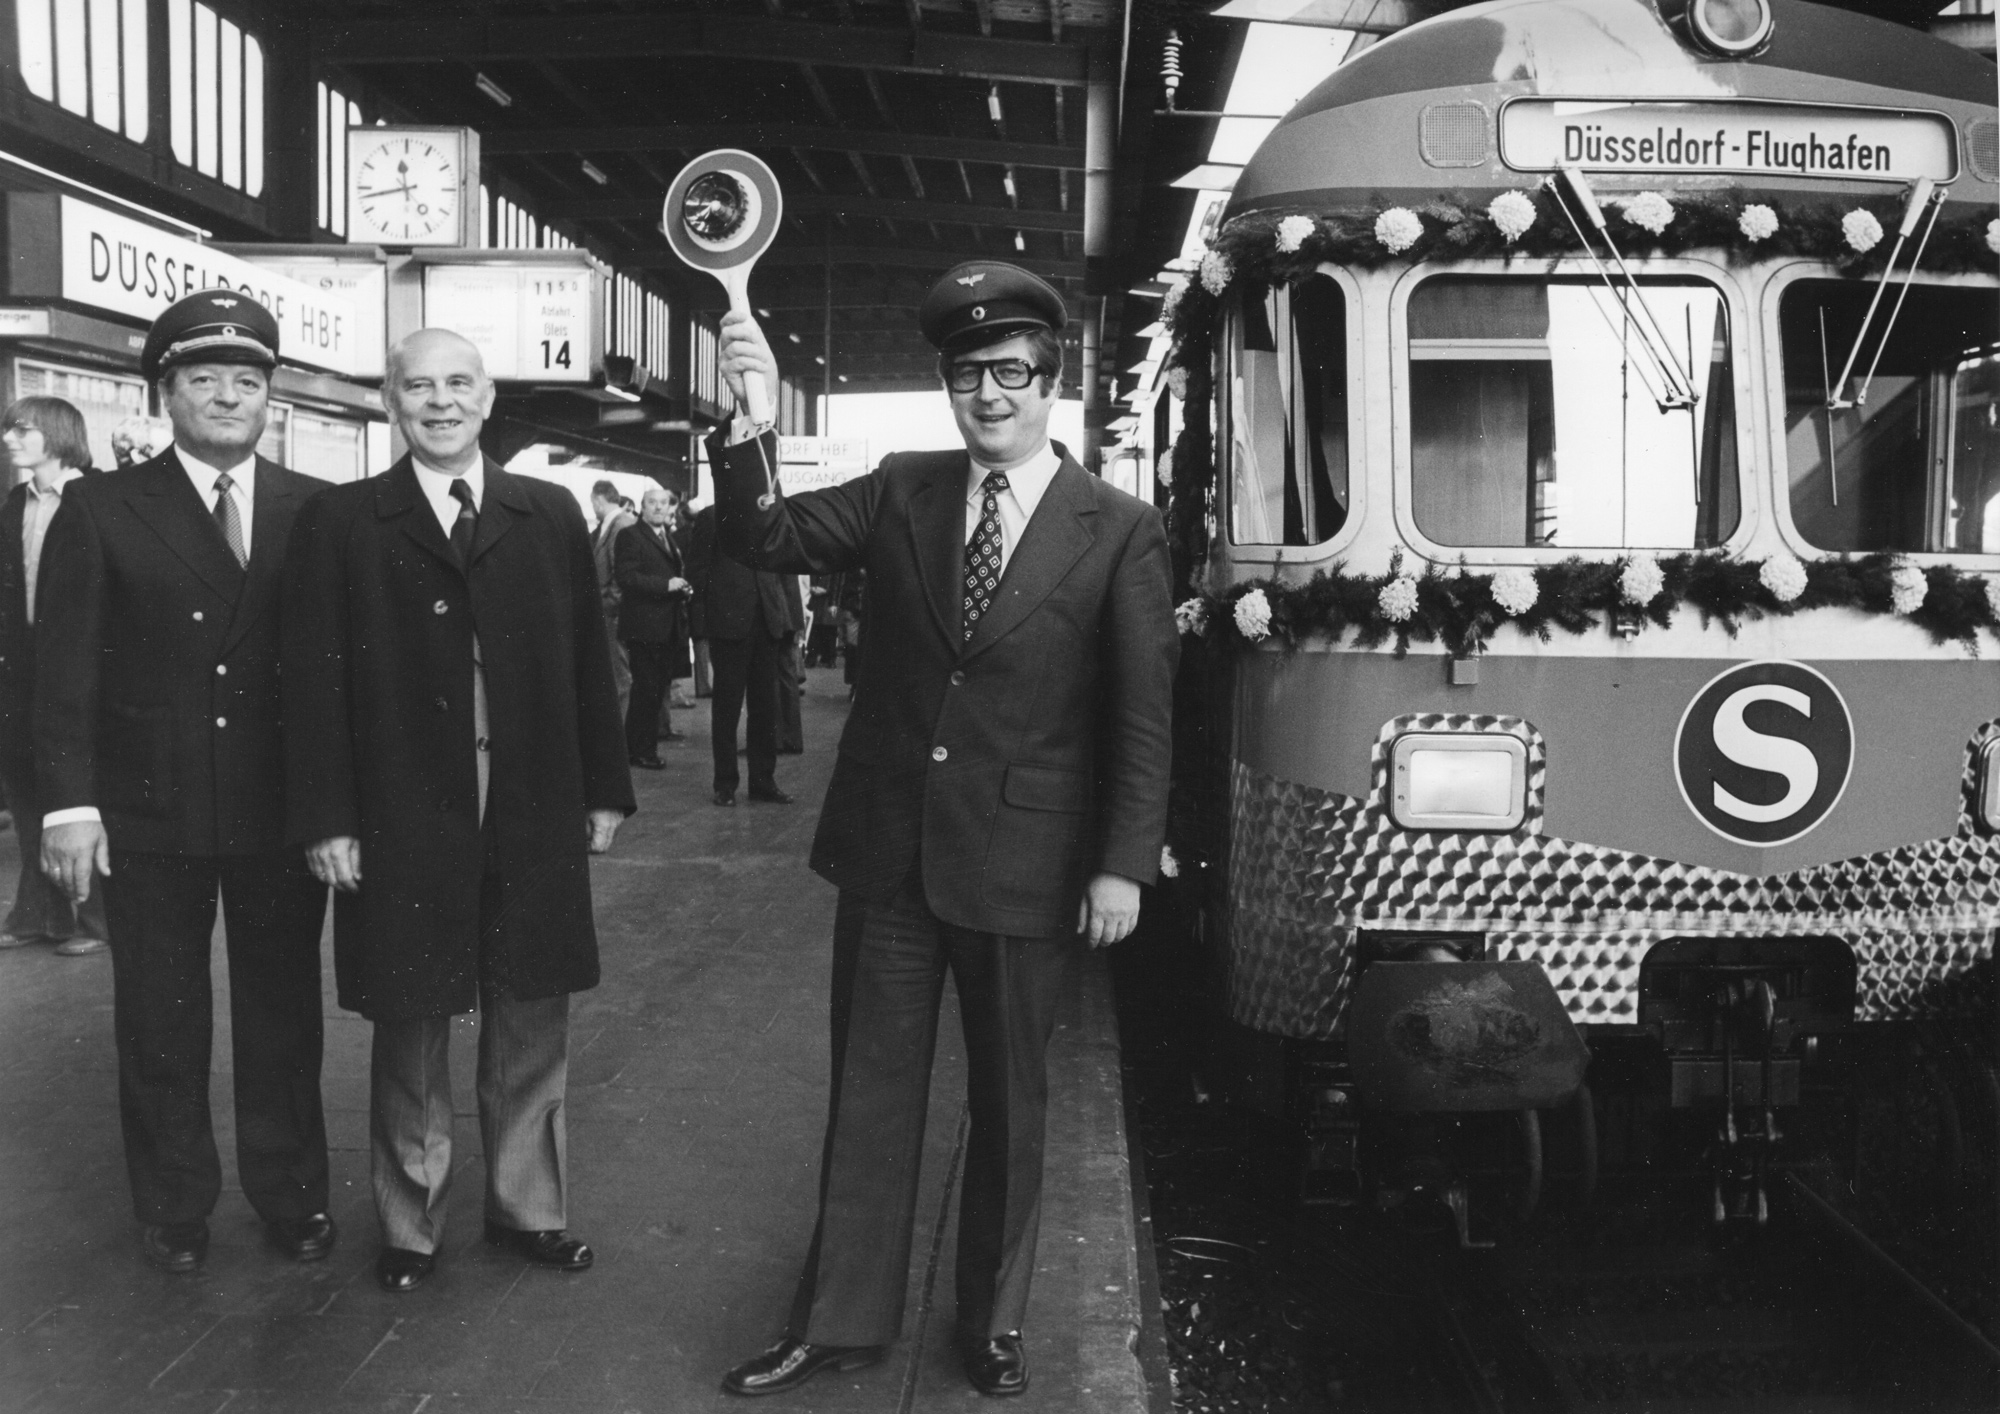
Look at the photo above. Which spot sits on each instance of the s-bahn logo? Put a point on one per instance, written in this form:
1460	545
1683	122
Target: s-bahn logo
1763	752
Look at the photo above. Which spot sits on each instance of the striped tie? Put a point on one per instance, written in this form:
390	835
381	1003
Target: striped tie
982	557
229	518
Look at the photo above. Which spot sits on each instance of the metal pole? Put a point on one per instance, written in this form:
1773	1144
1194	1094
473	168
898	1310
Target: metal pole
826	337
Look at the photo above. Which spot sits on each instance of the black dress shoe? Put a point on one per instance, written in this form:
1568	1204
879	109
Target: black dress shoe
307	1240
649	763
400	1269
770	795
996	1365
790	1363
553	1248
175	1247
725	797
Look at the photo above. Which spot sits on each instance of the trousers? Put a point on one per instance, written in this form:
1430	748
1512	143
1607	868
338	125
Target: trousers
649	692
746	681
889	967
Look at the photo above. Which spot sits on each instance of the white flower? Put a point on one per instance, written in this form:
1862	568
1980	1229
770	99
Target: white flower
1215	272
1513	213
1993	236
1253	615
1757	223
1170	867
1398	599
1650	211
1993	587
1907	588
1173	300
1862	230
1192	617
1641	581
1784	576
1515	590
1164	472
1398	229
1177	381
1292	232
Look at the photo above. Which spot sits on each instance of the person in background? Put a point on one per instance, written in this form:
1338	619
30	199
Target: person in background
160	756
823	634
47	444
131	441
791	728
749	615
613	515
652	577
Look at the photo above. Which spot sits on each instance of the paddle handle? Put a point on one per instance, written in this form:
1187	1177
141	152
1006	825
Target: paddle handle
756	397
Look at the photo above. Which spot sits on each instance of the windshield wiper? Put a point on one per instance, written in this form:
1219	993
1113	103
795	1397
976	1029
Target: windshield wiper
1925	193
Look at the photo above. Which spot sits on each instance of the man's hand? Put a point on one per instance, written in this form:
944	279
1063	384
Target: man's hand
604	829
1109	911
677	585
336	861
745	351
72	852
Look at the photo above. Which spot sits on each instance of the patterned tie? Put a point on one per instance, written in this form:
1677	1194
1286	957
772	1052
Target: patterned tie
982	557
229	518
467	522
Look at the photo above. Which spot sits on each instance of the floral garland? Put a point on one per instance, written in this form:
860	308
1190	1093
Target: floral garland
1461	610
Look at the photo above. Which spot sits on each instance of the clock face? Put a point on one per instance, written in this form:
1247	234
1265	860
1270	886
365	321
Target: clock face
405	189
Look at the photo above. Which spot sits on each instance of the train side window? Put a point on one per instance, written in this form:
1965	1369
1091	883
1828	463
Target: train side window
1284	413
1535	416
1917	466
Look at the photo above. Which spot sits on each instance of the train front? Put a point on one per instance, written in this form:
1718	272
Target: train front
1592	479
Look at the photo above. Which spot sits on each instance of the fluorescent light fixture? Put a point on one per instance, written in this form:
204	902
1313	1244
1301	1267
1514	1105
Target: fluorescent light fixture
493	90
819	359
840	377
1020	241
1458	781
763	314
590	170
793	337
1007	181
993	104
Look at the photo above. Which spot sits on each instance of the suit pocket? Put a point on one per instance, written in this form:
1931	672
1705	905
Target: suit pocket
1036	858
1047	788
135	759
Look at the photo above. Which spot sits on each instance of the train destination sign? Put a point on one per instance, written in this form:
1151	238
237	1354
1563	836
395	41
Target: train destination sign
533	322
1698	138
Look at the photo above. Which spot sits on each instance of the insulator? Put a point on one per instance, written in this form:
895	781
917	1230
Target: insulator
1170	65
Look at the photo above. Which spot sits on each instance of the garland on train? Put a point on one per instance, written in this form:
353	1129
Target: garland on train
1449	605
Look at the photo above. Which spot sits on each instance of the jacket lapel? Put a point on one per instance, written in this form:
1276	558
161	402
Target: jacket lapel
937	526
1062	528
397	494
165	499
271	511
504	502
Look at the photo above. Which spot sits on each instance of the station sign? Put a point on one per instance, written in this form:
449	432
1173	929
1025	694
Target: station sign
1698	137
114	263
813	463
362	280
532	322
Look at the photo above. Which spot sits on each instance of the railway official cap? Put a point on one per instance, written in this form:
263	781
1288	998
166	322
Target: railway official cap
213	326
984	301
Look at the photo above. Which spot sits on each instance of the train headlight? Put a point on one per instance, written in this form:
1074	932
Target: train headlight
1458	781
1731	28
1989	786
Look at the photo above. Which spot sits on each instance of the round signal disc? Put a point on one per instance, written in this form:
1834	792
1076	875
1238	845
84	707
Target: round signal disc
723	210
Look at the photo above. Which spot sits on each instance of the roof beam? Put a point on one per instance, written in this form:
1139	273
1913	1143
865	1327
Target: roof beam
886	257
621	208
696	137
463	39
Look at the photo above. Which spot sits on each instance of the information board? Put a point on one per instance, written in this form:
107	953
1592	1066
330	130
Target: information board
363	282
532	323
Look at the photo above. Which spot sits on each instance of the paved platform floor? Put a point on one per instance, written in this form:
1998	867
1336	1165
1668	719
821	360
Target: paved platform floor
697	1096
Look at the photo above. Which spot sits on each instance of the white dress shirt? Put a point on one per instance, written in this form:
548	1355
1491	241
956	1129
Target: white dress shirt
436	487
242	487
1026	484
36	514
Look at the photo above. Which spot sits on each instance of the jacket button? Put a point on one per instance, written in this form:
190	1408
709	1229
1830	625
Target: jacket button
439	607
197	616
958	679
222	721
222	670
938	753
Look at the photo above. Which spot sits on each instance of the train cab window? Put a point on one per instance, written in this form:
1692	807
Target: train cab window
1541	413
1916	467
1284	413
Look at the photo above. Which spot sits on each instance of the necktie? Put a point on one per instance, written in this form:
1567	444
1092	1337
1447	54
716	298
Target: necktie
229	518
982	557
465	525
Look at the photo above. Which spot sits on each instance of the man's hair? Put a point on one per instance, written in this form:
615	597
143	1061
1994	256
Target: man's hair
606	491
392	361
1045	352
63	433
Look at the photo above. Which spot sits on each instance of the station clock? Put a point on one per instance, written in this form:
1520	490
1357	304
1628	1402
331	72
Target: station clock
412	186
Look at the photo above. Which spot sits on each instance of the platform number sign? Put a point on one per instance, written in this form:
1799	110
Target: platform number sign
1764	751
532	323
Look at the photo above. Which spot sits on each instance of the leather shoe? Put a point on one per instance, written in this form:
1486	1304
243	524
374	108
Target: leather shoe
725	797
307	1240
16	940
80	946
770	795
175	1247
790	1363
552	1248
996	1365
649	763
400	1269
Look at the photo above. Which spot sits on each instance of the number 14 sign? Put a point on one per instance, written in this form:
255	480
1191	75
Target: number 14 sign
532	322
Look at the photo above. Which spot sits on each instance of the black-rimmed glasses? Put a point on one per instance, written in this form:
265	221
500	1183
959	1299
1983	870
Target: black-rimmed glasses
1012	374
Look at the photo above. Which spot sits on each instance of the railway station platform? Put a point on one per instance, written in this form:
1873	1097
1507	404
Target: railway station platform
696	1101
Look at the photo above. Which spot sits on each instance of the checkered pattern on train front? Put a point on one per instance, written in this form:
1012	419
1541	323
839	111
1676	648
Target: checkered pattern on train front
1308	868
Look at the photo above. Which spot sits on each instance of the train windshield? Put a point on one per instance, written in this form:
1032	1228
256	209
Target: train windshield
1284	413
1541	414
1916	467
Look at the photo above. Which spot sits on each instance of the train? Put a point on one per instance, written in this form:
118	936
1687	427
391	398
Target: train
1587	483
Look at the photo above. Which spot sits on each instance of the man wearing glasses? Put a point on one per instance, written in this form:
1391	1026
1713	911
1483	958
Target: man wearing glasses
999	797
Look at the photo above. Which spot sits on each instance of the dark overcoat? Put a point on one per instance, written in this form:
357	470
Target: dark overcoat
156	672
648	611
17	638
1014	765
729	594
379	700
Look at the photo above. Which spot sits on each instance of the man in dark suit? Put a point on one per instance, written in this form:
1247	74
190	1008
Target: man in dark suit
612	517
999	797
652	619
749	614
454	758
157	729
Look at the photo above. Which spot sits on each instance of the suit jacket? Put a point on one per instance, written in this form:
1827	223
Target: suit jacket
380	623
156	683
602	541
649	612
17	639
730	593
1017	764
